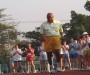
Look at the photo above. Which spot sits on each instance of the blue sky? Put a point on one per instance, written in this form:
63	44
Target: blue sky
31	13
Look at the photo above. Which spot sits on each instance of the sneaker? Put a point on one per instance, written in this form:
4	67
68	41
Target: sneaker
27	72
88	68
78	69
43	71
58	69
14	72
72	69
34	71
52	70
63	70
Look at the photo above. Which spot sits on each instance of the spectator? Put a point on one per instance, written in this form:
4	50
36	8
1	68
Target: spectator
66	57
43	58
30	58
17	57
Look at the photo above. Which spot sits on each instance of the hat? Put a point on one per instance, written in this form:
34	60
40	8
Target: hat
84	33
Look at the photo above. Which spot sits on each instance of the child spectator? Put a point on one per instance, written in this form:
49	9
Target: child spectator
30	58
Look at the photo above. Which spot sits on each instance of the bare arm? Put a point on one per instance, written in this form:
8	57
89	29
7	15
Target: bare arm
32	50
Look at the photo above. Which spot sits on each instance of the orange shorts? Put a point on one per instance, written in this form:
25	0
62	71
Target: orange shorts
52	43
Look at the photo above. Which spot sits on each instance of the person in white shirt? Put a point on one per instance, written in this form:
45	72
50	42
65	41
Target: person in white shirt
17	57
66	54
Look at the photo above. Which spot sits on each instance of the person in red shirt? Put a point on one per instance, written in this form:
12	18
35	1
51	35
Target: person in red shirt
30	58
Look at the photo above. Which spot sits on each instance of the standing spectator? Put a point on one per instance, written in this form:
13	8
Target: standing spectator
17	57
86	41
30	58
76	48
66	56
43	57
51	32
81	60
73	53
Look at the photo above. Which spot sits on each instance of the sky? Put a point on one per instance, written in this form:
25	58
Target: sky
32	13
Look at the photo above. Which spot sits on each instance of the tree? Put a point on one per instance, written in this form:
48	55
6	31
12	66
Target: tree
7	24
87	6
34	35
78	24
8	35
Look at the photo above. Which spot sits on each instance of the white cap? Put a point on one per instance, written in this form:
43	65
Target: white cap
84	33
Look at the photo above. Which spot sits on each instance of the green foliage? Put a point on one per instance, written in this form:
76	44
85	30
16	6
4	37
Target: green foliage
33	35
7	35
78	24
4	54
87	6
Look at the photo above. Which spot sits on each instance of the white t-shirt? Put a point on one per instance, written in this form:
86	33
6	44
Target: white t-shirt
65	51
17	56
